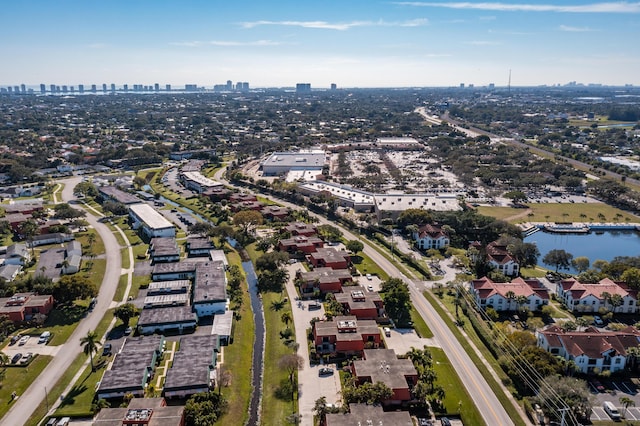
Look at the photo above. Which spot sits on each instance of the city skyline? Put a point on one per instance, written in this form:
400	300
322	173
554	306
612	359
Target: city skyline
358	44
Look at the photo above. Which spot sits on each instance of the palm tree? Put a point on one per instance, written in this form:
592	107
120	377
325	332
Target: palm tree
510	296
91	238
286	318
4	359
90	344
626	403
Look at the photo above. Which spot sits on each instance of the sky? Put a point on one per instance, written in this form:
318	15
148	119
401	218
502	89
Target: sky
352	43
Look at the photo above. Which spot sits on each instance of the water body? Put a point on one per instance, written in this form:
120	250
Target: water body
594	245
257	364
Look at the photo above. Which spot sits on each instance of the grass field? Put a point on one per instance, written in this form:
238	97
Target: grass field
561	212
78	401
18	379
237	359
275	408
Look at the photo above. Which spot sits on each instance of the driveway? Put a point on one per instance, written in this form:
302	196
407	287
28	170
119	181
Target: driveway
403	339
33	346
311	385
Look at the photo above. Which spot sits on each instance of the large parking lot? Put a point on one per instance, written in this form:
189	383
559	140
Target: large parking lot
612	391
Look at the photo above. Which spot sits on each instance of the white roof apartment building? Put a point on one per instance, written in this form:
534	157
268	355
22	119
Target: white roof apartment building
197	181
153	224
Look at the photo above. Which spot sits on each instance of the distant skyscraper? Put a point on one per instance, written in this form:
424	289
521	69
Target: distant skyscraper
462	85
9	89
303	87
52	88
43	89
72	89
190	87
94	89
167	87
16	89
334	86
229	85
156	87
23	88
65	89
104	87
245	86
492	86
125	87
81	88
113	87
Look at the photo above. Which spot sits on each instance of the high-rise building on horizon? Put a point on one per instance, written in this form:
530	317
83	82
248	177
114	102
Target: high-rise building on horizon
334	86
190	87
156	87
303	87
113	87
167	87
81	88
229	85
104	87
125	87
43	89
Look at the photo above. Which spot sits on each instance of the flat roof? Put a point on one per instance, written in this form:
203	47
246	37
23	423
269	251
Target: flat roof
365	415
194	363
222	324
400	202
130	364
119	195
157	287
300	159
166	316
164	246
210	284
172	299
200	179
150	216
382	365
355	196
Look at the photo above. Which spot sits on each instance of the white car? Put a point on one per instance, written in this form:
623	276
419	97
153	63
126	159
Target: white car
23	340
369	277
387	331
370	287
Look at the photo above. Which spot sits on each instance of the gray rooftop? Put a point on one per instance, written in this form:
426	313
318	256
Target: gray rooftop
168	315
163	287
210	284
164	246
382	365
172	299
118	195
222	324
365	415
193	363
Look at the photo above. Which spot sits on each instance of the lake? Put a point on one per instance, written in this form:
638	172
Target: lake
601	245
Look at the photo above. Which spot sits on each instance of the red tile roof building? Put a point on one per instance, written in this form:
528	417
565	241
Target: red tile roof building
330	257
593	351
579	297
361	303
325	280
23	306
300	244
431	237
504	296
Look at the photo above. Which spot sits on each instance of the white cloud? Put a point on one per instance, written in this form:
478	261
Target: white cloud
569	29
226	43
342	26
605	7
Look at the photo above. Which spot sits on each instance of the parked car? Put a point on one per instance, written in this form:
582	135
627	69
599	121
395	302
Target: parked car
17	357
106	349
445	421
387	331
597	320
25	359
44	337
128	331
597	385
23	340
325	371
369	277
370	287
314	306
15	339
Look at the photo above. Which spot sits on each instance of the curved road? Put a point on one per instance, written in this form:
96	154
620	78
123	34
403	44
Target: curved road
26	404
490	408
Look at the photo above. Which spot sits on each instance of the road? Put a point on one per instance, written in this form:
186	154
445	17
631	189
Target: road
24	407
490	408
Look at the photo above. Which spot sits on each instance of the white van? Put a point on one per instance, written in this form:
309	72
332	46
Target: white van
611	410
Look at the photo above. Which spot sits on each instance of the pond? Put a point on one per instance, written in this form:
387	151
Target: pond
594	245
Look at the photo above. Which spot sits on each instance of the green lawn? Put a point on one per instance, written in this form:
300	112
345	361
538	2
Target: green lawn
97	247
122	286
63	320
456	400
275	408
420	325
78	401
18	379
237	359
562	212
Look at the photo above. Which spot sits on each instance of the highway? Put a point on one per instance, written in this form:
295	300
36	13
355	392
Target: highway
482	395
26	404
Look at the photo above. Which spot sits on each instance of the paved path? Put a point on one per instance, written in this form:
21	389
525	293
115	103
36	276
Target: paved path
24	407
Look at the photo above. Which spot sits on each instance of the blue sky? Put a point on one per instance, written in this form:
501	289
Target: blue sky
352	43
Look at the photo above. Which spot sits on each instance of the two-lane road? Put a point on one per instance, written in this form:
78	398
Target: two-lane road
26	404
